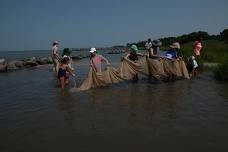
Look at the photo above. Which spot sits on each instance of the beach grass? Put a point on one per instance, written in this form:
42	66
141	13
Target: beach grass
221	71
214	51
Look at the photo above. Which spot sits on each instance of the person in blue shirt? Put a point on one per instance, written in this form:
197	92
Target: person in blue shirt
173	52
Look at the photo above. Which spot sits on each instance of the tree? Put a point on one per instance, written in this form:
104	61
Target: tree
224	35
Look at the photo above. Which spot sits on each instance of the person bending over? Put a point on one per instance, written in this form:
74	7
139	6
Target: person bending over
192	66
133	56
96	60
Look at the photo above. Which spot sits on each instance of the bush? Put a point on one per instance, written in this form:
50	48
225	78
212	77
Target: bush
209	57
221	72
224	35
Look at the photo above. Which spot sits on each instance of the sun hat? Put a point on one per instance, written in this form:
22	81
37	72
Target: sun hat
65	56
175	45
156	43
67	51
56	42
134	47
92	50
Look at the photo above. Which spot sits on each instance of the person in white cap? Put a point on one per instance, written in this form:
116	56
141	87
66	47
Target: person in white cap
96	60
55	56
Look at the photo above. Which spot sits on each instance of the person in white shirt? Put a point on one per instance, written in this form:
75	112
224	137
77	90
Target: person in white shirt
155	50
148	46
192	66
195	63
55	56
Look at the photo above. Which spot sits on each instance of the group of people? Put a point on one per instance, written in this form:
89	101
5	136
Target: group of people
63	68
154	52
63	64
174	52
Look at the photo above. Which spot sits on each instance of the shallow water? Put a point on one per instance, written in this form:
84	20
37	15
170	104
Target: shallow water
185	115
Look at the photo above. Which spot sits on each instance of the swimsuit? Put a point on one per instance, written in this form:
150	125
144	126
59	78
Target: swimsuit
62	73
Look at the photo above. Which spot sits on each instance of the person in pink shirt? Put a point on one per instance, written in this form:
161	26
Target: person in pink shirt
96	60
197	47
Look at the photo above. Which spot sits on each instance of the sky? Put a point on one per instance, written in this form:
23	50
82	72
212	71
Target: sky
35	24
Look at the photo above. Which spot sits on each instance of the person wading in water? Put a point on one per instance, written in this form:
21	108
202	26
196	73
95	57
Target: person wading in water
96	60
55	56
197	47
133	56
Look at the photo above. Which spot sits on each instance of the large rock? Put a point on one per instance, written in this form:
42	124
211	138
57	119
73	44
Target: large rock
50	61
3	65
12	66
30	62
44	60
15	65
2	61
19	64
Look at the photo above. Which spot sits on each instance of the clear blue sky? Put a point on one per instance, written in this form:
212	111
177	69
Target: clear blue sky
34	24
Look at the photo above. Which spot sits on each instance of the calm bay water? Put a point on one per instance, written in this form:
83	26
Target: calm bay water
184	115
19	55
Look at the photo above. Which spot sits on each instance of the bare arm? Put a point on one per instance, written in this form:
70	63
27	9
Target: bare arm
70	71
156	56
127	55
140	54
104	59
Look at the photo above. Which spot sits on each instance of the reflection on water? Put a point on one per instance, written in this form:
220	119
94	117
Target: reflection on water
145	116
66	105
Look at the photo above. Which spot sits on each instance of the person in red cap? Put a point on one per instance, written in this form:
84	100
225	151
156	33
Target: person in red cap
197	47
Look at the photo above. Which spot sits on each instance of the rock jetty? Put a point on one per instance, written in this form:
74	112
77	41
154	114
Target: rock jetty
29	62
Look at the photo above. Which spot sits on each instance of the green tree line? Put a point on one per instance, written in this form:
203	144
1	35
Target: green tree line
187	38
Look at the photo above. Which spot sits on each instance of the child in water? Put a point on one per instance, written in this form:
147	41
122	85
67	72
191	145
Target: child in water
192	66
64	72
